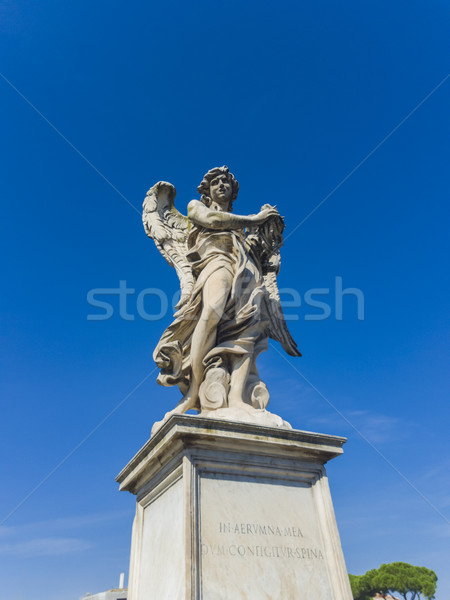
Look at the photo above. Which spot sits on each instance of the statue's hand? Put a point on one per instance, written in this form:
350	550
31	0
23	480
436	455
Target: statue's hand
266	213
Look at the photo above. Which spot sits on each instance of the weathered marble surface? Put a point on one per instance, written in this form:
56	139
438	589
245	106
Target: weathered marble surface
247	414
260	538
230	304
234	510
163	545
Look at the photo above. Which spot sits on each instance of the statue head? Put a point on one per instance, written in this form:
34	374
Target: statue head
220	185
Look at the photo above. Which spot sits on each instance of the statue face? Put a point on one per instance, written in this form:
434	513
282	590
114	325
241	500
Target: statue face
220	190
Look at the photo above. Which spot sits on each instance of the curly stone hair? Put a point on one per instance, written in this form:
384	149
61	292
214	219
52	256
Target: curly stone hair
204	187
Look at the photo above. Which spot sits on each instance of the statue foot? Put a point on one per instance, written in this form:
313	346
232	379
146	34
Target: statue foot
235	399
188	402
245	413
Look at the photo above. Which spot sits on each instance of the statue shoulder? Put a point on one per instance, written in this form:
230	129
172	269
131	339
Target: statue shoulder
195	204
195	208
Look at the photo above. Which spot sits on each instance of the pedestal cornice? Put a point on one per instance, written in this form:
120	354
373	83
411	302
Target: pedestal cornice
182	432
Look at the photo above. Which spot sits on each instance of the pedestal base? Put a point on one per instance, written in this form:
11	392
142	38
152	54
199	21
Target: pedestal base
234	511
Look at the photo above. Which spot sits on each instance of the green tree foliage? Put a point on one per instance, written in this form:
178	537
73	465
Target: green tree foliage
360	589
412	583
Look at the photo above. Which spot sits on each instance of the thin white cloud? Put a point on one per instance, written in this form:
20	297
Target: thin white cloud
44	547
49	538
63	524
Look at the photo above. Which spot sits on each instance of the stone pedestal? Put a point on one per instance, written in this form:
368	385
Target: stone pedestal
234	511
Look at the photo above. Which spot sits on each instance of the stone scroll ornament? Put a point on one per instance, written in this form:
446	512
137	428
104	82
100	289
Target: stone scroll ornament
230	305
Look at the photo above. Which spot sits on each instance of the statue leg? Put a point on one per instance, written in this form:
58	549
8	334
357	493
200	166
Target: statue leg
215	296
239	377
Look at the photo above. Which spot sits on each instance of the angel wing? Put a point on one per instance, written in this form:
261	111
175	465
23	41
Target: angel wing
169	229
267	240
278	329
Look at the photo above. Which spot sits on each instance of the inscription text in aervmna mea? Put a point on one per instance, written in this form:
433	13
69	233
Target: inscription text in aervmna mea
263	549
260	529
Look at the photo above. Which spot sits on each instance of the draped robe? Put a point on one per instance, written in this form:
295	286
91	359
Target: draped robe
242	328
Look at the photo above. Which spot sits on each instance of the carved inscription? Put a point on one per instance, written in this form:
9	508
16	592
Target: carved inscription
257	529
262	551
261	548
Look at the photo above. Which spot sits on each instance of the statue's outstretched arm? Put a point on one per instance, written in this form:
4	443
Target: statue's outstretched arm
201	215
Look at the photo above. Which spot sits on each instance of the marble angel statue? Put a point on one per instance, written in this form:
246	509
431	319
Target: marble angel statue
230	305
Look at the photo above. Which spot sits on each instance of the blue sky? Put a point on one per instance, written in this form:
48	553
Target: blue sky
292	96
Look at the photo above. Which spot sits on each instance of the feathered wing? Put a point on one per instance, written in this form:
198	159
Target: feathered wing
266	241
169	229
278	329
